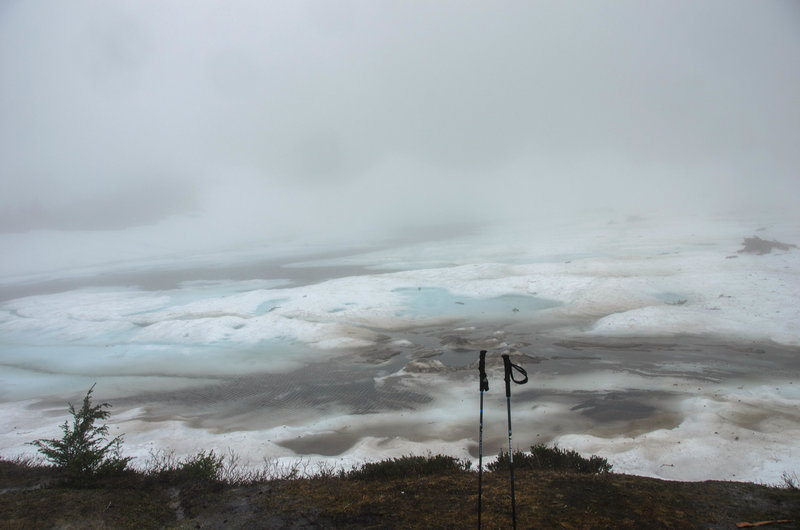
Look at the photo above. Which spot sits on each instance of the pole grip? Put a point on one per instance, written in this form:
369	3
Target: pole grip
484	381
509	375
507	365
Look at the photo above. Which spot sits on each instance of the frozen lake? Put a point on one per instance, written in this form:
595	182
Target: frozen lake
651	342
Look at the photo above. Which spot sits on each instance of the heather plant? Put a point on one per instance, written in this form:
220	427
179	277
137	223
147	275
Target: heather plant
203	466
551	458
409	466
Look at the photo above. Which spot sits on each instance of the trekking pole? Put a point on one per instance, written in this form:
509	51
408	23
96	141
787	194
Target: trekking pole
509	376
484	386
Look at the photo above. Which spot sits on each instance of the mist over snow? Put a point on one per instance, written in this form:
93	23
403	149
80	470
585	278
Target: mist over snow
288	227
250	121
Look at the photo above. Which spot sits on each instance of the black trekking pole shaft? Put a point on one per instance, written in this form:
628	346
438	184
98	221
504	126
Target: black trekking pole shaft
480	464
507	365
484	386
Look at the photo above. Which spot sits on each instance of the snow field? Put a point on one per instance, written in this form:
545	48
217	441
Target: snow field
640	279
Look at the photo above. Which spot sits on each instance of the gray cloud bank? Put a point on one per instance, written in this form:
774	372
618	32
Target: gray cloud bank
317	116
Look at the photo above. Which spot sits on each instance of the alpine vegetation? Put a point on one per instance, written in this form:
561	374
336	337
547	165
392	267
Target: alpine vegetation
552	458
84	451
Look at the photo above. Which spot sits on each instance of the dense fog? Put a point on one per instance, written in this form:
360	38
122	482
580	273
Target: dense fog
323	119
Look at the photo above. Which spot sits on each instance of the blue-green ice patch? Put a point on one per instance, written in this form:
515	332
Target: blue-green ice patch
439	302
671	298
270	305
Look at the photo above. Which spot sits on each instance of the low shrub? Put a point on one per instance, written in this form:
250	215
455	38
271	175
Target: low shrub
161	462
408	466
205	466
791	481
551	458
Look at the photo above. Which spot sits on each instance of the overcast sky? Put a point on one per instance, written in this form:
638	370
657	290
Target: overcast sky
305	115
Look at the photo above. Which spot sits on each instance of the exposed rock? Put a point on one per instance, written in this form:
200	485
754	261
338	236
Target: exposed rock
756	245
454	342
426	366
458	343
682	301
425	353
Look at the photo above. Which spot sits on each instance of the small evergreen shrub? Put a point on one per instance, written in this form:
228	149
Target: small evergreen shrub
84	452
553	459
203	466
409	466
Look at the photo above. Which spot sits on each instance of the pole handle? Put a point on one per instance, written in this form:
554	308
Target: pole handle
484	381
509	373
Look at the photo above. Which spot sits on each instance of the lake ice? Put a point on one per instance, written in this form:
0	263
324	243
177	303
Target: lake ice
651	342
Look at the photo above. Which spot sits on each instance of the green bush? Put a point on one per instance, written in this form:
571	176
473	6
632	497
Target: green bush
551	458
202	466
409	466
84	452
